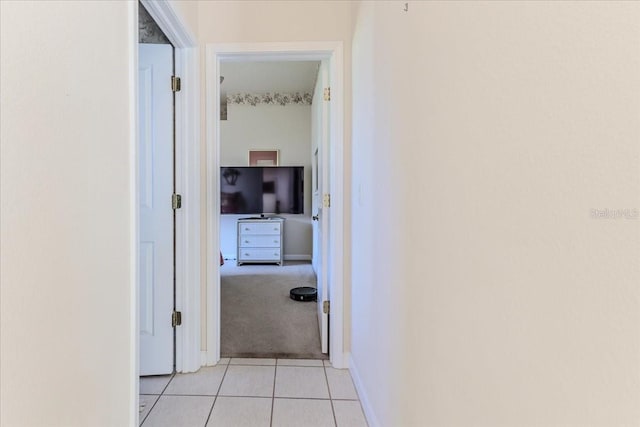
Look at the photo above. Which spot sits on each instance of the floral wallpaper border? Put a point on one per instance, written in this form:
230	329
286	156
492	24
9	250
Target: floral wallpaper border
270	98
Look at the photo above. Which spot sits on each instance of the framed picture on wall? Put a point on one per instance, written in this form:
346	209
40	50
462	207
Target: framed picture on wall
264	157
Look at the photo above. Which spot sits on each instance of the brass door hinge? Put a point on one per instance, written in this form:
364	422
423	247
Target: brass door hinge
326	200
176	318
176	201
325	307
175	84
327	94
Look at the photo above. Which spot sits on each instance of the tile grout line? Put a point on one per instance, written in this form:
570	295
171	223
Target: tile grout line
157	399
215	399
267	397
273	394
326	378
152	406
226	395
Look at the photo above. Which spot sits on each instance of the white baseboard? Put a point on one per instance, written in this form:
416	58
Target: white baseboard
293	257
340	361
205	360
369	413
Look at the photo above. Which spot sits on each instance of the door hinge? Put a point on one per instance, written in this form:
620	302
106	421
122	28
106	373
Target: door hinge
325	307
176	318
176	201
326	200
175	84
327	94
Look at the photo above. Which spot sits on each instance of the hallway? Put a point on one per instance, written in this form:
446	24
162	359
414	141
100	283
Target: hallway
253	392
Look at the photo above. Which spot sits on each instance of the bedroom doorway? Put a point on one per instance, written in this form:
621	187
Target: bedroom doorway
217	55
267	201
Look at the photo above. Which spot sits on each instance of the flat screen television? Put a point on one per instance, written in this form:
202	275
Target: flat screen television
262	190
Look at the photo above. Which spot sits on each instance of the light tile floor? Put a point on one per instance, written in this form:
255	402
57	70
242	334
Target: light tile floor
253	393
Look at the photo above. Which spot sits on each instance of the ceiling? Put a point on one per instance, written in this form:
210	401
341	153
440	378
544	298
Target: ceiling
261	77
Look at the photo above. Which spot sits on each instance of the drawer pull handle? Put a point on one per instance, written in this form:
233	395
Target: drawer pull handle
246	241
275	241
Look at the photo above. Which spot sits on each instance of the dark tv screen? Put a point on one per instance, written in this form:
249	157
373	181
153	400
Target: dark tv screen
258	190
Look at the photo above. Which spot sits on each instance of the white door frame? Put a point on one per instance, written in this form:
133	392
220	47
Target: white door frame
298	51
187	160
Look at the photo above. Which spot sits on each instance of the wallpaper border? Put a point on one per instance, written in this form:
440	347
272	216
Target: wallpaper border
270	98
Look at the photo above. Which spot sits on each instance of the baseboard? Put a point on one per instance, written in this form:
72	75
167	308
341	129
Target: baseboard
369	413
293	257
205	360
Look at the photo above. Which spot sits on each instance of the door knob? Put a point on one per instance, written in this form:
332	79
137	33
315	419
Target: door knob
315	217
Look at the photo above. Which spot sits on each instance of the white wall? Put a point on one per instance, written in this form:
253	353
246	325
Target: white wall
66	262
487	295
285	128
187	13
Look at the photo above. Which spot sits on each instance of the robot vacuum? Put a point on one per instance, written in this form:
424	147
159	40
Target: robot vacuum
304	293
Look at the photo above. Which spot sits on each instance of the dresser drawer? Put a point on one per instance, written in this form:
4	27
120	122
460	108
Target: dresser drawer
259	228
260	241
251	241
253	254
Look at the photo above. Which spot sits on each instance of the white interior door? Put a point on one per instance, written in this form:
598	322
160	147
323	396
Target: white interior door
320	182
155	106
316	199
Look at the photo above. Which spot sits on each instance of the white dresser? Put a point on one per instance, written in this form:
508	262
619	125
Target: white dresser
260	240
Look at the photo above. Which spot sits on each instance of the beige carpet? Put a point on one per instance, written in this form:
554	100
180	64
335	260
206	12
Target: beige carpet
258	319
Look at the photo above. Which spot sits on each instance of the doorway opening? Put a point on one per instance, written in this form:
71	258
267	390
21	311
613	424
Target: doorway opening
267	125
183	174
219	229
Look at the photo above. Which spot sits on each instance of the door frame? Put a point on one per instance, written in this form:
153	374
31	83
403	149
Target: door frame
298	51
187	175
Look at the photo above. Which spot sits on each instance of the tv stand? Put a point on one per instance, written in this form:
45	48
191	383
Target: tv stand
260	241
